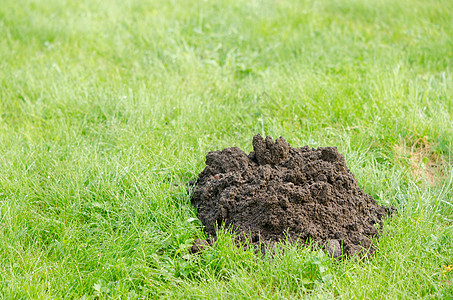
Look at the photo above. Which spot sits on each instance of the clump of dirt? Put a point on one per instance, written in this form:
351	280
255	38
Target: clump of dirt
278	191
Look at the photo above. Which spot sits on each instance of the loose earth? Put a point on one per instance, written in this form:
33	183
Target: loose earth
279	192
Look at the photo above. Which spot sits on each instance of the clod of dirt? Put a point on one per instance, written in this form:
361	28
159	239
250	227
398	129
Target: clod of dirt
198	246
278	191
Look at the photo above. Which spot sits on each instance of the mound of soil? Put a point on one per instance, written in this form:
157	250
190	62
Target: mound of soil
278	191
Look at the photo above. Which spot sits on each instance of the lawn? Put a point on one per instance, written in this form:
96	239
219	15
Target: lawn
108	108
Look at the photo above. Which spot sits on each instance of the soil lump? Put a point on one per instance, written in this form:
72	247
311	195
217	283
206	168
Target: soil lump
278	191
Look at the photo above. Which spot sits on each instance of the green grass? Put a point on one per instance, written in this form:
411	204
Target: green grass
106	105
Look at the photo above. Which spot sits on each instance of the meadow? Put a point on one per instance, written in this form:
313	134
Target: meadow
108	108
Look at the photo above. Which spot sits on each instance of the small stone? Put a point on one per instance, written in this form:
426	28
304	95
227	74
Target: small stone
334	248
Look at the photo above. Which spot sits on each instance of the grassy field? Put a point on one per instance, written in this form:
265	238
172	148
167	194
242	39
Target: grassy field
108	107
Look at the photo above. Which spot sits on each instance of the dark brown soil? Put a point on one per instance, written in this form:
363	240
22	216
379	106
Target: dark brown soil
278	191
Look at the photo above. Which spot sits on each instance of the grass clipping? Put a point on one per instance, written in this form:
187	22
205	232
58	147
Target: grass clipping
278	192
